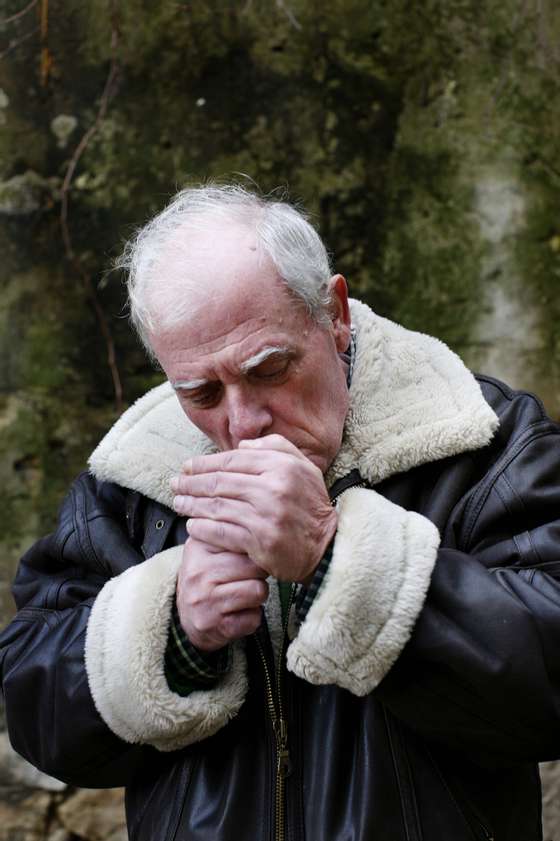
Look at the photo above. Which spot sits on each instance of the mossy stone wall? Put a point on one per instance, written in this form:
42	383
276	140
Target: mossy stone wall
422	134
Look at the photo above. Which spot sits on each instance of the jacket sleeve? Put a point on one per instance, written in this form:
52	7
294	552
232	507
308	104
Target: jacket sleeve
460	643
51	718
70	658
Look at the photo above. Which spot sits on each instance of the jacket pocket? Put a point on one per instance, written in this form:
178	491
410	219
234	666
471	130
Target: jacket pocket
433	806
405	781
156	797
477	824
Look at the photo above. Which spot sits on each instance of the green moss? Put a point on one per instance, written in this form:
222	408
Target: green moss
383	118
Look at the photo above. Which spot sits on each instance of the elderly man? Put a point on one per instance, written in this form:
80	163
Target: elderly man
359	637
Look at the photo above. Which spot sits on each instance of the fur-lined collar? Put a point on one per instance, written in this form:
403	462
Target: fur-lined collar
412	401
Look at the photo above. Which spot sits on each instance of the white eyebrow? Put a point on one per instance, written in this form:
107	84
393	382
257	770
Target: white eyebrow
259	358
188	385
248	365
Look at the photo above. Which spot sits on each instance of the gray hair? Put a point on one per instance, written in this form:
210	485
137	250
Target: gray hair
283	233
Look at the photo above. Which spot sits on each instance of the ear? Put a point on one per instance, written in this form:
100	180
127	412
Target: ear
340	311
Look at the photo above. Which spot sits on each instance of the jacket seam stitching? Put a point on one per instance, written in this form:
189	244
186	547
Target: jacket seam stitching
480	498
514	494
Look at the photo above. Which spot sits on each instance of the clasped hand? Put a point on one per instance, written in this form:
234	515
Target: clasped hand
260	510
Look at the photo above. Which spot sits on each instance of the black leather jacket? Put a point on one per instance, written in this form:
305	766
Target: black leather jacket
444	748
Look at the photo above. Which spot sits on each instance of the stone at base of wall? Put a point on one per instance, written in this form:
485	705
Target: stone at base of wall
15	771
550	776
95	815
34	815
24	814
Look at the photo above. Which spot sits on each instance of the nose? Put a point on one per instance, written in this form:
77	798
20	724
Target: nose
248	416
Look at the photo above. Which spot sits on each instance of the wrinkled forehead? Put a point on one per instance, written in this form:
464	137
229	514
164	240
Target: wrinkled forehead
211	251
204	264
235	293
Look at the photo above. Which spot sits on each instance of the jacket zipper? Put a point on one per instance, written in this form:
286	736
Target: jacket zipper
274	689
279	724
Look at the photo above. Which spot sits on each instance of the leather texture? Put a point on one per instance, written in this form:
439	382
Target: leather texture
445	747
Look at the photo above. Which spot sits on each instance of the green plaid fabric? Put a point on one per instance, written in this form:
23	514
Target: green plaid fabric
306	595
186	668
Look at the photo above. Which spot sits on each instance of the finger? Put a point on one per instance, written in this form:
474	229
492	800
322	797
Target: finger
234	626
234	596
218	483
272	443
226	566
221	535
212	508
230	461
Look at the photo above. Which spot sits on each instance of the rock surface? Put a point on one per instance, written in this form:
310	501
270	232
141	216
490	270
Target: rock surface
15	771
550	776
24	814
95	815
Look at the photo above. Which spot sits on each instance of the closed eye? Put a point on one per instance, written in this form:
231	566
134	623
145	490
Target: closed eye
204	397
271	369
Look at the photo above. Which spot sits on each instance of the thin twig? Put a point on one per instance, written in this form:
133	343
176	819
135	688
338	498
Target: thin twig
108	93
46	59
17	41
289	14
20	14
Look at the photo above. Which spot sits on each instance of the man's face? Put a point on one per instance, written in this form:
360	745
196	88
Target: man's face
250	362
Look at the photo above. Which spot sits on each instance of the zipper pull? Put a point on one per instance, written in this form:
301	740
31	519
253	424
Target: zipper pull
283	765
281	732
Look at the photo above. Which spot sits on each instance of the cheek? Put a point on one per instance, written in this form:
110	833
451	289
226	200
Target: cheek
207	421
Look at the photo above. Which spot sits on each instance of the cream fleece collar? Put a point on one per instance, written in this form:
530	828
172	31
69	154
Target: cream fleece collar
412	401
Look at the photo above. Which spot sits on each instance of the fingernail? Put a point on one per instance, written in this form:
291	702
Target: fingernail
174	483
187	466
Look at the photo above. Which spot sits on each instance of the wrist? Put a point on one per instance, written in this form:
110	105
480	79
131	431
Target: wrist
329	534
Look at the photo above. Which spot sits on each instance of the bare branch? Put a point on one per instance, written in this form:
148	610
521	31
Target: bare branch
289	14
20	14
46	58
17	41
106	96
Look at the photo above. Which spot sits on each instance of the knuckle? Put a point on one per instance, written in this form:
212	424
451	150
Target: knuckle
193	527
229	626
214	480
252	621
227	460
260	590
279	489
316	471
192	601
267	543
201	623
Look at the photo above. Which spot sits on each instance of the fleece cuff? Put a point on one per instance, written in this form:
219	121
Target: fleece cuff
125	649
372	594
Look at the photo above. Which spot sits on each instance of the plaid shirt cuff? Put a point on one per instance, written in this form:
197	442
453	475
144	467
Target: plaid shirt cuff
186	668
306	595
